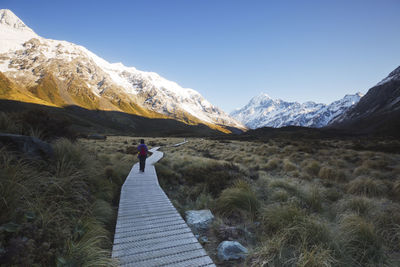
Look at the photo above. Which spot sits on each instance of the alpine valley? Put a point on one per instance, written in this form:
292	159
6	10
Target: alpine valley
61	74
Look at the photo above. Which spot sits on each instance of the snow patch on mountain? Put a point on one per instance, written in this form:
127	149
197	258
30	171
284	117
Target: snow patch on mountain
263	111
17	42
393	76
13	31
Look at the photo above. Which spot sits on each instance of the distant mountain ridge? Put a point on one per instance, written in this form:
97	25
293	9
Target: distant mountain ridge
59	73
263	111
378	112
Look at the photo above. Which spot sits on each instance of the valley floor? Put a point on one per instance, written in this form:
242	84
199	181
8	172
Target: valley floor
292	202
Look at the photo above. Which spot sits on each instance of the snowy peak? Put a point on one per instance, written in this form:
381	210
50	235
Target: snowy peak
263	111
9	19
13	32
89	81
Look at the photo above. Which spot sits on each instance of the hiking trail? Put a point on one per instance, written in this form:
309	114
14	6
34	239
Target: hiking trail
149	230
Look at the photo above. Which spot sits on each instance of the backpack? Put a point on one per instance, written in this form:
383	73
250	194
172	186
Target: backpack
142	151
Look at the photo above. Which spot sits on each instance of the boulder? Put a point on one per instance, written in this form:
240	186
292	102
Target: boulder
28	145
231	250
199	220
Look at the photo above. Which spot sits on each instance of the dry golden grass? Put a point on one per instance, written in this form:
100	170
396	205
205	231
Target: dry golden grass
301	187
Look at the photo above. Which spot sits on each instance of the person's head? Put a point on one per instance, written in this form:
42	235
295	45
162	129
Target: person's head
142	141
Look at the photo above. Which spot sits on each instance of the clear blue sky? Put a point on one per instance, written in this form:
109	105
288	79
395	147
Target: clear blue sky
230	50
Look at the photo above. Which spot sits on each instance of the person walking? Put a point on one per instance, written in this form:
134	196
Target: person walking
142	154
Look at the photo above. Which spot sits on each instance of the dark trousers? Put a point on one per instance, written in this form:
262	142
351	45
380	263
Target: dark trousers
142	162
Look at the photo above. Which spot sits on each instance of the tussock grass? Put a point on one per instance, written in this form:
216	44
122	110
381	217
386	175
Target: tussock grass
272	164
312	167
367	186
280	196
331	174
288	165
304	190
359	205
239	198
396	189
387	222
59	211
361	242
292	238
317	256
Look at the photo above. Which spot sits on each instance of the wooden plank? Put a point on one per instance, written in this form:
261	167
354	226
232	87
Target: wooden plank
149	230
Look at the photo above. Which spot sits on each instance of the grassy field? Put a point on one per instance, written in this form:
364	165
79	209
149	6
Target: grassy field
292	203
62	211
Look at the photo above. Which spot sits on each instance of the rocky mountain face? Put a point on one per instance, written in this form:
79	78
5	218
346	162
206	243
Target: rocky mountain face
60	73
263	111
378	111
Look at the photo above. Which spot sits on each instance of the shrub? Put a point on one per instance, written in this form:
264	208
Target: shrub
360	241
238	198
367	186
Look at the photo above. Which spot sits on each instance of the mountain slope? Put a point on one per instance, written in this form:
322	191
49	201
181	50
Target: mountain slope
263	111
61	74
378	111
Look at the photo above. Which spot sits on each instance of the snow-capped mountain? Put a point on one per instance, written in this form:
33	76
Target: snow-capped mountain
61	73
263	111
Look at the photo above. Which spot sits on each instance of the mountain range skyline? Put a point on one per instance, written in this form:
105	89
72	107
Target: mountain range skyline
227	57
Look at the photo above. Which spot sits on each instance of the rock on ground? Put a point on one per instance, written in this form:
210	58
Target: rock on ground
231	250
199	220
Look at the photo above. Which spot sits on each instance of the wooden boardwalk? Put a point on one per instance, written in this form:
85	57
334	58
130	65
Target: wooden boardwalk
149	230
